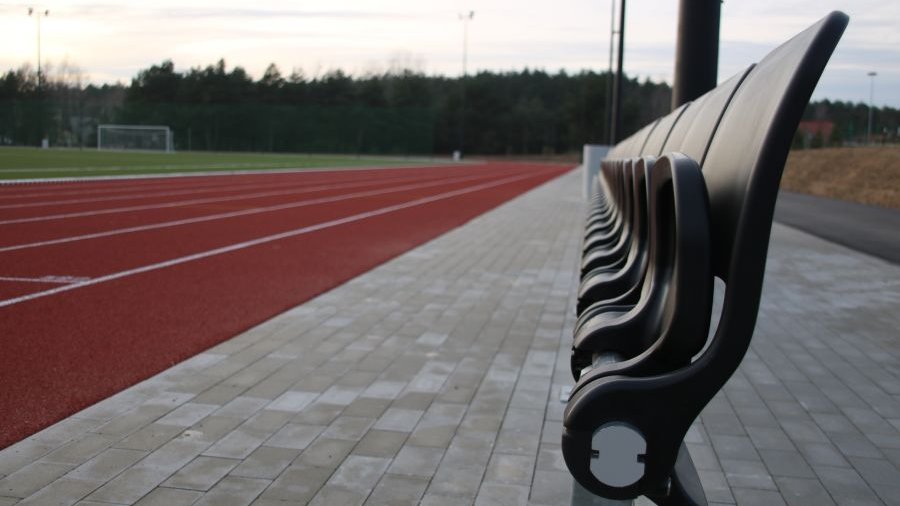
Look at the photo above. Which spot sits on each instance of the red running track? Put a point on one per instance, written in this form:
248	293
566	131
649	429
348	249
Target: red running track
106	283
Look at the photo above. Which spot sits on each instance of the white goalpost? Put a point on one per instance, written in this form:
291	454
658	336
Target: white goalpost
135	137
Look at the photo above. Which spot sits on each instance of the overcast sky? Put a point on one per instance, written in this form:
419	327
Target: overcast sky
113	40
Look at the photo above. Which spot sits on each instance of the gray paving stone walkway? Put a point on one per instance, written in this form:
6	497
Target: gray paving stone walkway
434	379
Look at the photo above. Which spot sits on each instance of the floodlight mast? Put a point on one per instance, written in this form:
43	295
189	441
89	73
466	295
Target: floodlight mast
871	99
466	19
38	14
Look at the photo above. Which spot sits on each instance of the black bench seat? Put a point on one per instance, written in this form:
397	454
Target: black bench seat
687	199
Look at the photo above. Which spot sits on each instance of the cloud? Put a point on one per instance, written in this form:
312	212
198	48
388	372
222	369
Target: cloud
111	39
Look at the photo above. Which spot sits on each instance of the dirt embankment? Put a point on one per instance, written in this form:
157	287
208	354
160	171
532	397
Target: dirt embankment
869	175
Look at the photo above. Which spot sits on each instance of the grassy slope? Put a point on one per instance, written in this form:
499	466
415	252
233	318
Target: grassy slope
869	175
27	163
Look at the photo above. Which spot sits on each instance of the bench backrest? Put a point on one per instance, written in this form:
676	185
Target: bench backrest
739	134
694	130
742	169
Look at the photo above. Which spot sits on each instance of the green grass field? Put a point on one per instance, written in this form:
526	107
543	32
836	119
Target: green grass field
33	163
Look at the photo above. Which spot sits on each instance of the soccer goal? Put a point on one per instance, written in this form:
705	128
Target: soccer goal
134	137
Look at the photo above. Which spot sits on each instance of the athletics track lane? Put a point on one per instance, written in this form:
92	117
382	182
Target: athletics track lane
68	349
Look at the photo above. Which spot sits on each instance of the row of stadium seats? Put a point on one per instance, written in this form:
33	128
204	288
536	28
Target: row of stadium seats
687	199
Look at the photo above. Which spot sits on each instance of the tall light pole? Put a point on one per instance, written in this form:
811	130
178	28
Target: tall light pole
466	19
871	99
616	123
38	14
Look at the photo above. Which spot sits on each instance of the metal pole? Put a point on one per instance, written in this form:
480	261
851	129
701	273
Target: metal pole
871	99
616	130
465	18
37	15
609	79
697	49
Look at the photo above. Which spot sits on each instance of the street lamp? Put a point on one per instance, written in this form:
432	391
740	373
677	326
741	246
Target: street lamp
466	19
38	14
871	97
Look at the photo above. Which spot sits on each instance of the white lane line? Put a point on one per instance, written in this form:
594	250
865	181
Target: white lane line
234	186
47	279
422	163
263	240
109	187
242	212
208	200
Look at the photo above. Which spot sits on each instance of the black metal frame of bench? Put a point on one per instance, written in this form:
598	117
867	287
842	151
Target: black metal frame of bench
643	372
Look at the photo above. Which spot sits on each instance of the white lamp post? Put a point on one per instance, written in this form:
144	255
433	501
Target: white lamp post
38	14
871	99
465	18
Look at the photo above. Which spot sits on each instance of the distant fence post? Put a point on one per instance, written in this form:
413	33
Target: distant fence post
590	164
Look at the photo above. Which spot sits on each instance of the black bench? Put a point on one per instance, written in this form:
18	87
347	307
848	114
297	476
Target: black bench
687	199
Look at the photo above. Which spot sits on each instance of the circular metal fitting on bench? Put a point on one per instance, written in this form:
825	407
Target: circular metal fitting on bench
617	454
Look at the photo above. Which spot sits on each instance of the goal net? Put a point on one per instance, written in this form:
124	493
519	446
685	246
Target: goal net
134	137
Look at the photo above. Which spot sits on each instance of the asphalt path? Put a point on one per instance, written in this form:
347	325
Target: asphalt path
869	229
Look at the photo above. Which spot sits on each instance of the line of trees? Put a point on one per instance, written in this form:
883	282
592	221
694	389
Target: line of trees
399	111
851	121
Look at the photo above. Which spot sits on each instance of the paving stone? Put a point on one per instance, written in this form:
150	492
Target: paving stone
295	436
451	481
769	438
243	407
755	497
318	413
876	471
131	421
413	400
129	486
498	494
359	473
233	491
352	428
383	389
297	483
747	474
265	462
201	473
188	414
788	463
734	447
64	491
79	450
551	488
399	419
107	465
20	454
150	437
845	484
366	407
855	445
327	453
396	490
550	458
822	454
716	486
31	478
513	469
803	491
162	496
416	461
329	495
293	401
381	443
